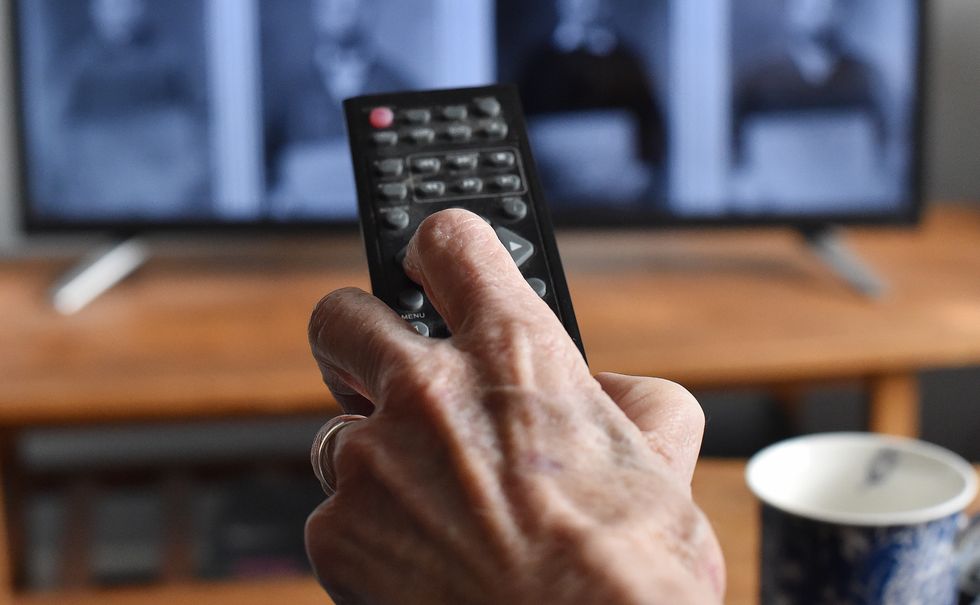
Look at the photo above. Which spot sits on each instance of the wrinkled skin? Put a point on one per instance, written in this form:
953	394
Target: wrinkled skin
494	468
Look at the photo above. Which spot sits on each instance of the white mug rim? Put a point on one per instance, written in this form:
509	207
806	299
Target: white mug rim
953	505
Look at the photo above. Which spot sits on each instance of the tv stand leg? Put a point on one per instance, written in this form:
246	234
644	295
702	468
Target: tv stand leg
893	404
97	274
828	245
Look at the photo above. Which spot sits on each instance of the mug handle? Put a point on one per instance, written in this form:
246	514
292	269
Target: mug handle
968	559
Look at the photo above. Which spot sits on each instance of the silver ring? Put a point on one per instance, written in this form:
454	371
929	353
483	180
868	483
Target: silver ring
321	455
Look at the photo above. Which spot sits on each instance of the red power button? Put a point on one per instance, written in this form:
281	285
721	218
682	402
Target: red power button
381	117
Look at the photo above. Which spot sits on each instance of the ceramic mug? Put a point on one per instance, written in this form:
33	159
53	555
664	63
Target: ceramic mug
861	518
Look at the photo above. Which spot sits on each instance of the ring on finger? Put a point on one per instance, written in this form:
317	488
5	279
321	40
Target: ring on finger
322	453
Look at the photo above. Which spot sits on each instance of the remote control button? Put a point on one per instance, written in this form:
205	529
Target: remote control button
400	257
421	328
386	138
466	161
521	250
390	168
469	185
513	208
502	159
411	300
431	189
455	112
393	191
426	165
422	135
496	129
417	116
488	106
507	182
459	132
381	117
540	288
396	219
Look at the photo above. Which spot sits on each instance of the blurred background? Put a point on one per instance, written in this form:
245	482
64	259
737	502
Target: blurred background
206	476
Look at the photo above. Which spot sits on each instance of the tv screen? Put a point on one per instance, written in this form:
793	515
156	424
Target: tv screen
147	113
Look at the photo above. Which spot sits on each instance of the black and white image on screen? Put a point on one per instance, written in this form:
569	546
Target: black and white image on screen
822	105
591	75
315	54
114	92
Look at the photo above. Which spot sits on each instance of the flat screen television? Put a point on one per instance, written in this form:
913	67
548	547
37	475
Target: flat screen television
137	115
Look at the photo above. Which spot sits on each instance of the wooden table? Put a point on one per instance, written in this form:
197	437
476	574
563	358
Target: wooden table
222	334
191	337
723	309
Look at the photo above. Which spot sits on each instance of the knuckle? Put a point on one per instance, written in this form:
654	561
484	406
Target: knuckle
326	521
521	350
376	346
688	410
393	368
339	296
430	393
429	386
512	329
326	553
326	309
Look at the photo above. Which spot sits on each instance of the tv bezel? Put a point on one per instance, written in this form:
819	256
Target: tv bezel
909	214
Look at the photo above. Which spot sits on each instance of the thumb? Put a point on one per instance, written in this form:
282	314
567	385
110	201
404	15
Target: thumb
666	413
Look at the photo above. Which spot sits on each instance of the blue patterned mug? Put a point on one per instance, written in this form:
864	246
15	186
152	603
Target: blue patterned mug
860	518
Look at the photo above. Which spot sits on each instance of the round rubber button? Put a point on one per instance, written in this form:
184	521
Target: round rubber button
540	288
488	106
514	208
381	117
421	328
396	219
411	300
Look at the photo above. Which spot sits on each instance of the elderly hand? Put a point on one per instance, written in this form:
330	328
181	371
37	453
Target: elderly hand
494	468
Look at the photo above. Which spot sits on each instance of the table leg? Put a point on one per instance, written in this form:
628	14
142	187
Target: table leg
76	546
7	543
178	560
893	404
789	400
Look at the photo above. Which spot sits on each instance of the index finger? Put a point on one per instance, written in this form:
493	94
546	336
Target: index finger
360	343
470	277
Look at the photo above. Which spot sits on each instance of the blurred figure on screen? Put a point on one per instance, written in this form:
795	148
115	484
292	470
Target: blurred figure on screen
808	124
132	122
311	158
586	87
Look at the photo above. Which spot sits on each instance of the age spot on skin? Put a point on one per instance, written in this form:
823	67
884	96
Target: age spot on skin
543	464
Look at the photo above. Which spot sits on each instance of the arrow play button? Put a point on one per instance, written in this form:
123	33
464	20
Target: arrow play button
521	250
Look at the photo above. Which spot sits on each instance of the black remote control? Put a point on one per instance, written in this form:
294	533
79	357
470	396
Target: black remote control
416	153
